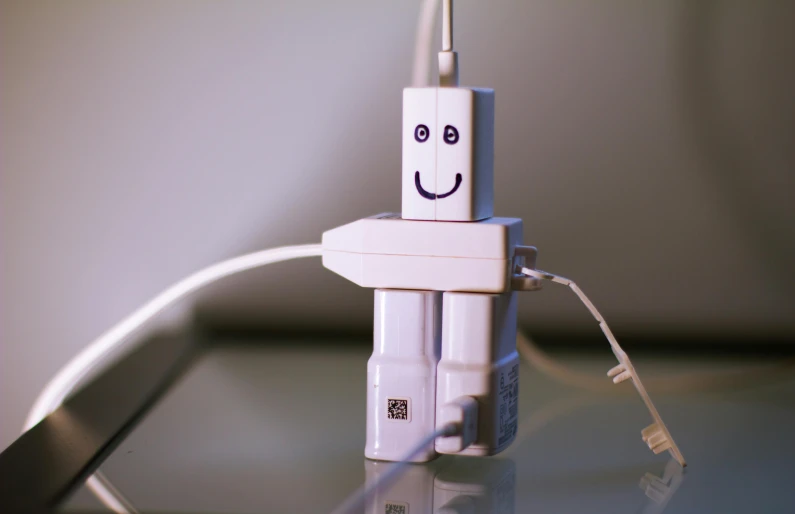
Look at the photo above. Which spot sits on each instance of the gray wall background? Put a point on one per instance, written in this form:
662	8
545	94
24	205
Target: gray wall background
647	145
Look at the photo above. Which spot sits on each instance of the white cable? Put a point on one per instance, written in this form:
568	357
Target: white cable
423	44
355	502
448	59
447	25
99	352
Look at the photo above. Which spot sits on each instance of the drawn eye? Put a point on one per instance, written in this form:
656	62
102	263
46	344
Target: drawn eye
450	135
421	133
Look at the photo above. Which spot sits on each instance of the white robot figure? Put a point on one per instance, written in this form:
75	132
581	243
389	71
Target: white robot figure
445	308
446	273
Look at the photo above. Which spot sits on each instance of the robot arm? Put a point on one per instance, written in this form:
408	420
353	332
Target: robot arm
656	435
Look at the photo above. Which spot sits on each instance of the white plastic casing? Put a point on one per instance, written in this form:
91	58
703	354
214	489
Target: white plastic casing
385	251
401	374
448	154
479	359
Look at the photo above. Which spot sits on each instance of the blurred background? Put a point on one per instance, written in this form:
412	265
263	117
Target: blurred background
648	146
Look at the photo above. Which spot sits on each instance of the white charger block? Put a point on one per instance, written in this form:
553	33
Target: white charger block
448	154
401	374
479	359
386	251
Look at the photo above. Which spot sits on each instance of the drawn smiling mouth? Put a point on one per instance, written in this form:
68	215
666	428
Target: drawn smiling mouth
433	196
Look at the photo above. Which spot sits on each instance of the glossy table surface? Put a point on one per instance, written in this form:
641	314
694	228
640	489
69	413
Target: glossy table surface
262	428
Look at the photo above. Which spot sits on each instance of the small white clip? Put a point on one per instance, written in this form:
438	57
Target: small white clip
655	437
619	373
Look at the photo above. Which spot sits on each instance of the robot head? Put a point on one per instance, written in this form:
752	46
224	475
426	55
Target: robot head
448	154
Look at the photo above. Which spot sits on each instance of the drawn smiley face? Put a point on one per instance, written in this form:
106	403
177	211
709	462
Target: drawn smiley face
447	154
450	136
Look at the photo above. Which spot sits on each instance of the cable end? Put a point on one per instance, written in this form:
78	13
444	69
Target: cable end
458	423
448	69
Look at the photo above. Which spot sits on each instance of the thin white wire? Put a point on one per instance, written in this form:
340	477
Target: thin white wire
423	45
95	353
100	351
447	26
355	502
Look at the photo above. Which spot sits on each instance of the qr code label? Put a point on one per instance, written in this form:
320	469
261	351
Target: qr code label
398	409
396	508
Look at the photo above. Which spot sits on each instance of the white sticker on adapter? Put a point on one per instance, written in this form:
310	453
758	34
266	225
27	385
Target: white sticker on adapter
398	409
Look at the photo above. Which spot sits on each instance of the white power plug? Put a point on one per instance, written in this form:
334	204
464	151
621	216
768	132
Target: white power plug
479	360
401	374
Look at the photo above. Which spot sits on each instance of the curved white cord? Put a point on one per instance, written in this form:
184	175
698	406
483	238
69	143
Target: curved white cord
423	44
96	353
99	352
355	502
